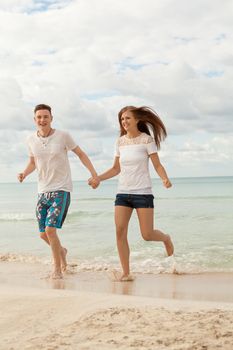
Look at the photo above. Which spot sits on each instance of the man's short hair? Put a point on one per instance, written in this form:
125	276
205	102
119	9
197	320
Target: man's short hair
42	106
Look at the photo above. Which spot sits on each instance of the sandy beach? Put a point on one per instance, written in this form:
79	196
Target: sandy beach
89	311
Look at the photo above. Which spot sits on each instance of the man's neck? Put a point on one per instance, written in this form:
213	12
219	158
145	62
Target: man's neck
45	132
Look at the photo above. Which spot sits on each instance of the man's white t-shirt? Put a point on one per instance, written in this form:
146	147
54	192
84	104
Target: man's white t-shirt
51	159
134	154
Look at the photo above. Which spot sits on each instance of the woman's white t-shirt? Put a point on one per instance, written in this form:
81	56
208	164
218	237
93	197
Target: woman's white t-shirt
51	160
134	154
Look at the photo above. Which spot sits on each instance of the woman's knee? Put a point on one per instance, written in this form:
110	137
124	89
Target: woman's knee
121	232
146	236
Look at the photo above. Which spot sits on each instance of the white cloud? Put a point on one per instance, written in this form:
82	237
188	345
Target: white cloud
14	5
89	58
200	155
32	5
14	111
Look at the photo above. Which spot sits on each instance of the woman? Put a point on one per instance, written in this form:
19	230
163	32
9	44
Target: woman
134	148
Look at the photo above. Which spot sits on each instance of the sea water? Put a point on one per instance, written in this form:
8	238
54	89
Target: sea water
196	212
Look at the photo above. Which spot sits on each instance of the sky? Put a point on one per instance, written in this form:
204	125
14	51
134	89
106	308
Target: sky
89	58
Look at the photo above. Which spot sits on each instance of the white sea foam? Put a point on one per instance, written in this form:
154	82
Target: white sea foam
25	258
17	217
167	265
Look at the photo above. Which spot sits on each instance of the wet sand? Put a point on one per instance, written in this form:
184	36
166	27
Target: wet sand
87	311
205	286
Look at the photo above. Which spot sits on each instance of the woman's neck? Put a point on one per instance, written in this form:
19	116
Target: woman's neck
133	134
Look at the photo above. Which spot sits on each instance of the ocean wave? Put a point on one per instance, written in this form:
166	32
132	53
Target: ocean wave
17	217
91	213
195	197
71	215
168	265
95	199
24	258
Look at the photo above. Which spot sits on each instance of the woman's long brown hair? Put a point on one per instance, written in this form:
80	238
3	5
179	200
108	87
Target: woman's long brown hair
147	119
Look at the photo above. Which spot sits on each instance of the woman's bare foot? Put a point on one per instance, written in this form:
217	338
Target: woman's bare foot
126	278
169	246
56	275
118	277
63	259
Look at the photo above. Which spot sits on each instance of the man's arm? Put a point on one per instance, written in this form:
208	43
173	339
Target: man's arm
31	166
85	160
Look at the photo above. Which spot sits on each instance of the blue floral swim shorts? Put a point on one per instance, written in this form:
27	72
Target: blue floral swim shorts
52	208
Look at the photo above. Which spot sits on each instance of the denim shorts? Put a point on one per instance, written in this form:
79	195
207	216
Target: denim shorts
51	209
135	200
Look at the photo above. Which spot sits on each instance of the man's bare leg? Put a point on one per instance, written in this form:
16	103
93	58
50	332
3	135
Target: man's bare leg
43	235
63	259
55	245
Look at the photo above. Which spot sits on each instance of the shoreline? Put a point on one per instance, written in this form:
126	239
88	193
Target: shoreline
209	286
88	311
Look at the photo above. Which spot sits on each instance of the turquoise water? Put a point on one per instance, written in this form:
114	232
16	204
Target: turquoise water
196	212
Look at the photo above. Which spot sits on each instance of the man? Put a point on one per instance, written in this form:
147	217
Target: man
48	149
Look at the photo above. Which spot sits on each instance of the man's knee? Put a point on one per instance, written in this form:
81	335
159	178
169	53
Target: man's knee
50	230
43	235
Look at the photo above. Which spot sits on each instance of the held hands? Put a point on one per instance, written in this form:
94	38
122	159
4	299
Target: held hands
167	183
94	182
21	177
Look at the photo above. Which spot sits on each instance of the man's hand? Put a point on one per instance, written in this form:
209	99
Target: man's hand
21	177
94	182
167	183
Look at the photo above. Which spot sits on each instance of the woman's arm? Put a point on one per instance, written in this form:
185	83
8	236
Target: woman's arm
113	171
31	166
160	170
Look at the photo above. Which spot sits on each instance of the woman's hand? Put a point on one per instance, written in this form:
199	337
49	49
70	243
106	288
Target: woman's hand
94	182
167	183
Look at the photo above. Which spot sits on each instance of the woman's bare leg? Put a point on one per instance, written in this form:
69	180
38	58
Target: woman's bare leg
146	221
122	217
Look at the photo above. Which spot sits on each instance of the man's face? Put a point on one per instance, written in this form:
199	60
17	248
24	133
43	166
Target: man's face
43	119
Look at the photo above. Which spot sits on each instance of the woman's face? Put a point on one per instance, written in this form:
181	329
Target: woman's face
128	121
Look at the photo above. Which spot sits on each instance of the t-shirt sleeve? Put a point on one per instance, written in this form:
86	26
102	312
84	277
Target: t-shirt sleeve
151	146
117	151
28	144
69	142
30	151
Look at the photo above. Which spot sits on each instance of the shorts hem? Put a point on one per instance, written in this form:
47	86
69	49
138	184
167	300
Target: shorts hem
55	226
135	201
124	205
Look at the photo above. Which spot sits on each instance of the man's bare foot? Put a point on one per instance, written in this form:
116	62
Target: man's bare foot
63	259
169	246
56	275
118	277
